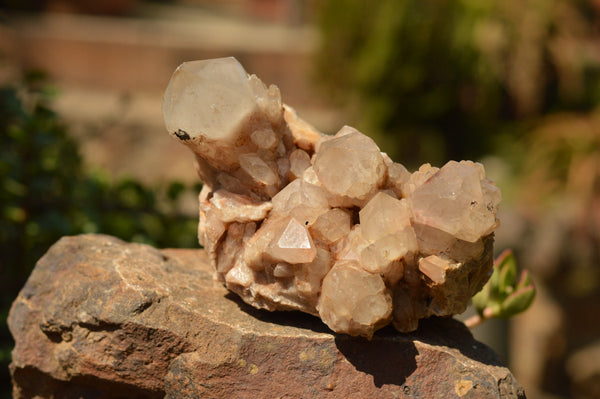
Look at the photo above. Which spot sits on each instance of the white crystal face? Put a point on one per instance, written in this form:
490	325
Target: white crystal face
258	169
453	200
350	165
398	176
384	215
388	255
309	276
417	179
350	247
264	138
299	162
230	207
331	226
208	98
304	201
293	244
268	99
256	248
354	300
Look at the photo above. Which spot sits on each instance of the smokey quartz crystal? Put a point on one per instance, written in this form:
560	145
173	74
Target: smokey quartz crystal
293	219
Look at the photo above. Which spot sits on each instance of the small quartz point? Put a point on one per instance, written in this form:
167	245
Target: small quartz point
293	219
293	244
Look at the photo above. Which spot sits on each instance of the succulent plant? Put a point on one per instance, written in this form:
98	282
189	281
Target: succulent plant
506	294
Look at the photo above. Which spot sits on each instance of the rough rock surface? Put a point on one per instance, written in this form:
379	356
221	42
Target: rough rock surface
329	225
99	318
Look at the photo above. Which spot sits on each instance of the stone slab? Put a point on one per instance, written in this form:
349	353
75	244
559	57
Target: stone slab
101	318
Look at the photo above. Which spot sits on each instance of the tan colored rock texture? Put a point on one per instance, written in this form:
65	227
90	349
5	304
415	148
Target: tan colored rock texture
329	225
99	318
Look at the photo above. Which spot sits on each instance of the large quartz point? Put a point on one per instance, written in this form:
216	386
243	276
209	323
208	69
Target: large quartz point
231	121
293	219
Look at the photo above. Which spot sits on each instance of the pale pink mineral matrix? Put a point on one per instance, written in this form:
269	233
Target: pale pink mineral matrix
293	219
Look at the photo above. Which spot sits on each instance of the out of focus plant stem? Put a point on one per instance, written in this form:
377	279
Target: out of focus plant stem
505	294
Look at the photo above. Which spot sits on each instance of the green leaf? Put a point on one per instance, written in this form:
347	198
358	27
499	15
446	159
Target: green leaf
481	299
494	281
508	273
493	309
518	301
525	279
502	296
505	257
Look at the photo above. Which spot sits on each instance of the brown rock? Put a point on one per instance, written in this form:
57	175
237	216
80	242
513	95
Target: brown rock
101	318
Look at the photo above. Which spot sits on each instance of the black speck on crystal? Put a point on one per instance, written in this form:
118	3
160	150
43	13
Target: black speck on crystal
182	135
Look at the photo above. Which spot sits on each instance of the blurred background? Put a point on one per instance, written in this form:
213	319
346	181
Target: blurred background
514	84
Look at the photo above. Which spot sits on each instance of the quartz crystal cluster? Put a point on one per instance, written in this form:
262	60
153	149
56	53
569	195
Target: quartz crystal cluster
293	219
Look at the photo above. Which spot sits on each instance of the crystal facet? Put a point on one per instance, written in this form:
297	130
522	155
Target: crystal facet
453	200
329	225
353	300
293	244
349	166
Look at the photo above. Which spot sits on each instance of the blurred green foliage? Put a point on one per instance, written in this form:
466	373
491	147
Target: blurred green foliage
457	79
559	190
46	193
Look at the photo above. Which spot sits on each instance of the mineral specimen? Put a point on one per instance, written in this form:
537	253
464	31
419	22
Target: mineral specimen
293	219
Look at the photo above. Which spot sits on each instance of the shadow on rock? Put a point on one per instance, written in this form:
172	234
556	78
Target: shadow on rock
451	333
389	361
295	319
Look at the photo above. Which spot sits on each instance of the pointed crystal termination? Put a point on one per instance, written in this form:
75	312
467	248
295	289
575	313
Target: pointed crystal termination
329	225
208	98
458	200
229	120
293	244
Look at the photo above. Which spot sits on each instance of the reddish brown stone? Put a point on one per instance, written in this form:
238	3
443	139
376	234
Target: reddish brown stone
101	318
